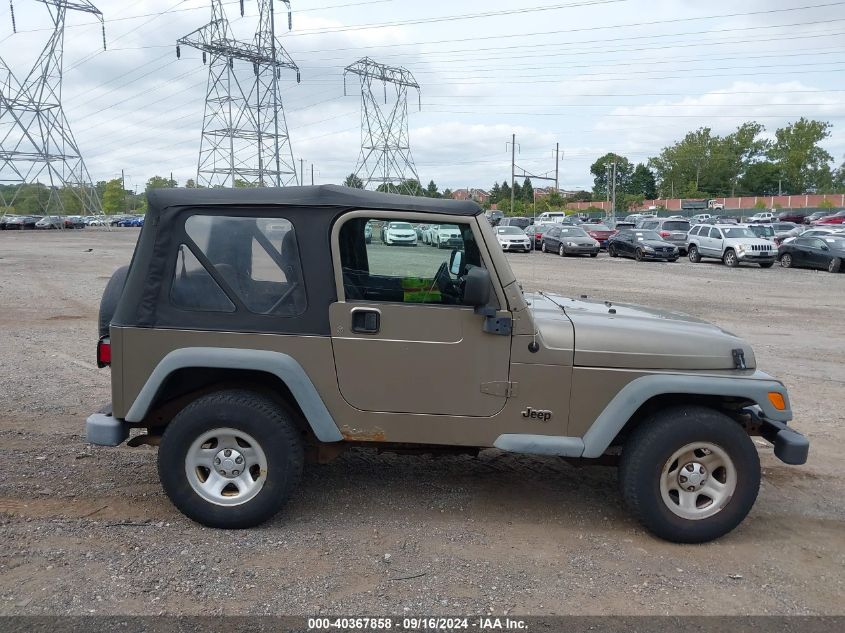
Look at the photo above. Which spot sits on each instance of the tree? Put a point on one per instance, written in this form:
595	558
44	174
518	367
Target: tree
447	193
601	170
353	181
555	200
803	164
244	184
190	183
681	168
505	192
737	152
114	197
839	179
760	179
527	191
517	192
643	183
495	193
159	182
431	190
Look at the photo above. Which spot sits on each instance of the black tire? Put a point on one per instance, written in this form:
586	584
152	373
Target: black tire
271	426
835	265
649	448
786	260
612	251
561	251
767	265
594	254
730	259
693	254
638	255
672	260
111	295
543	246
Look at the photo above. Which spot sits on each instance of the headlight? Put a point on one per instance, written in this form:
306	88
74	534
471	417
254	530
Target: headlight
741	248
648	249
571	244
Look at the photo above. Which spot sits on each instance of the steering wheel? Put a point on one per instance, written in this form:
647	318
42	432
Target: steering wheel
445	284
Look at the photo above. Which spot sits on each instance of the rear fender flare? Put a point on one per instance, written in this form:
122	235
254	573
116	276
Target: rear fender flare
283	366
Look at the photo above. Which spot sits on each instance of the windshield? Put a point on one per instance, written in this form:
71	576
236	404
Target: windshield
739	231
595	227
679	225
572	231
647	235
762	231
447	227
401	225
509	230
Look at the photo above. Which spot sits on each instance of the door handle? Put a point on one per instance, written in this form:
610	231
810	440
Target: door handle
366	321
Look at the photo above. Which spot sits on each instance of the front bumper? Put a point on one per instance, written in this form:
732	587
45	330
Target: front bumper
757	256
515	246
664	255
103	429
580	250
790	446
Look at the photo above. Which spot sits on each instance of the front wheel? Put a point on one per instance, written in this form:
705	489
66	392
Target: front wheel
638	255
611	251
230	459
543	247
835	265
561	251
730	259
694	255
689	474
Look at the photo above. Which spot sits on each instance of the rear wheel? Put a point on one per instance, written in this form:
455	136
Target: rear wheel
230	459
689	474
835	265
694	255
730	259
786	260
543	246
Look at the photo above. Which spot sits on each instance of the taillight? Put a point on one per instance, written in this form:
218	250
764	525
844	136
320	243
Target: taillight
104	352
665	234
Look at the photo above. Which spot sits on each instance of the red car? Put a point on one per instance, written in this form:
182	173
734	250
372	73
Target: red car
836	218
599	232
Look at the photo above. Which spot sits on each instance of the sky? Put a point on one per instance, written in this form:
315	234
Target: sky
628	76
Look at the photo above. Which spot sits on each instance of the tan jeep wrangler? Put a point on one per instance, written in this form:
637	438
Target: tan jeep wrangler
255	327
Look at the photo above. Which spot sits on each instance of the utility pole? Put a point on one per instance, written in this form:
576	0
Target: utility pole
123	190
513	165
312	174
557	163
613	195
780	189
302	170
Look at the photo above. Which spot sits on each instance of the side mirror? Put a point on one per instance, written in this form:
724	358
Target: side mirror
476	287
455	262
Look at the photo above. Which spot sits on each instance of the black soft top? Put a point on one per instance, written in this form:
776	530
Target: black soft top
331	198
311	210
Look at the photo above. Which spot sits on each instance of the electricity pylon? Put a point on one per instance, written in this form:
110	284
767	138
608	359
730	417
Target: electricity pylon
385	160
35	138
244	134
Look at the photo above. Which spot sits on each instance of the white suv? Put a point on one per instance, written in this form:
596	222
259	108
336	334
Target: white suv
763	216
732	243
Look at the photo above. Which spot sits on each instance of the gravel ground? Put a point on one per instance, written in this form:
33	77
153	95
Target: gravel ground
88	530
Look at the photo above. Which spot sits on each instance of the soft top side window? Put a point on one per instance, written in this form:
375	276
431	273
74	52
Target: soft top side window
253	261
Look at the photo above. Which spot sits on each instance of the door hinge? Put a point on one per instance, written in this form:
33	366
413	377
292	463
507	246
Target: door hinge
503	389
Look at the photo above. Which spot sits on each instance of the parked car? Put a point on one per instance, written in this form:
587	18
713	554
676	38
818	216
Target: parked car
732	244
368	233
623	224
836	218
816	215
572	220
817	232
700	218
494	217
599	232
642	245
95	221
672	230
569	240
21	222
518	222
824	253
551	216
420	229
535	233
399	233
512	238
792	215
446	236
53	222
762	216
353	354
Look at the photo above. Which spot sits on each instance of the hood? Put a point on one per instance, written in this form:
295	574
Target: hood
578	239
655	244
635	337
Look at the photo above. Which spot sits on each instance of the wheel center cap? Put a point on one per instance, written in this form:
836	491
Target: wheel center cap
692	476
229	462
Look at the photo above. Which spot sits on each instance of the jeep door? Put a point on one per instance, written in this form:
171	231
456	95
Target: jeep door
403	342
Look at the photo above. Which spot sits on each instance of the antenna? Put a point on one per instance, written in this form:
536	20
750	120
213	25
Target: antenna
385	158
36	138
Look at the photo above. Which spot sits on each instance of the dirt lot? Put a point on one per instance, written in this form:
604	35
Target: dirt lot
88	529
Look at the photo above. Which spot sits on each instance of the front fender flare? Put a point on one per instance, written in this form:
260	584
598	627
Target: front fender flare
283	366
